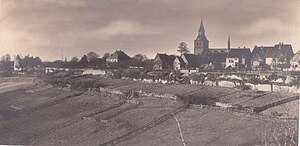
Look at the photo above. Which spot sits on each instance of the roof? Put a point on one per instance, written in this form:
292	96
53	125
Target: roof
279	50
165	57
192	60
218	50
214	57
296	57
201	29
99	60
257	57
119	55
180	59
240	52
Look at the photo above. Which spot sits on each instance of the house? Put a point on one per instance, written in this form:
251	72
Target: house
118	56
163	61
275	56
191	61
295	61
258	61
217	59
178	63
97	63
238	58
118	59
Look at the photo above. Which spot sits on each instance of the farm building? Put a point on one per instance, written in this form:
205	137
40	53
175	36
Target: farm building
238	58
275	56
163	61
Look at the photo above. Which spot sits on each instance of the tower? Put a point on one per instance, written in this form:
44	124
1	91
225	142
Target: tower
228	43
201	42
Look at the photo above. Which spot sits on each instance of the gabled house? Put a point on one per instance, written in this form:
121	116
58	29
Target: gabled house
163	61
118	59
258	61
238	58
217	59
295	61
118	56
192	61
178	63
275	56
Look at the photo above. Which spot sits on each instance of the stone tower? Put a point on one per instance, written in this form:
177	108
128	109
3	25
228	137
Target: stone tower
201	42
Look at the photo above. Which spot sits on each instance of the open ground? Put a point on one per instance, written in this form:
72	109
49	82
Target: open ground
125	112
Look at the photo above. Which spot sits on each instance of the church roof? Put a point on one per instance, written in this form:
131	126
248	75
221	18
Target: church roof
201	29
216	50
214	57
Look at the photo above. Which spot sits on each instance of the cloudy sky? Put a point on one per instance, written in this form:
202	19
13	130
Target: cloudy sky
52	28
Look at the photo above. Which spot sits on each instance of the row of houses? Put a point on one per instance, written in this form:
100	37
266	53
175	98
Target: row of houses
279	56
261	58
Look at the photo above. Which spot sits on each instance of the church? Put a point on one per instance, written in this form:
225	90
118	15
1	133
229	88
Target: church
201	44
220	57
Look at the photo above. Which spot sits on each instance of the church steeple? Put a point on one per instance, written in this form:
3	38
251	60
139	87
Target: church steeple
201	29
228	43
201	42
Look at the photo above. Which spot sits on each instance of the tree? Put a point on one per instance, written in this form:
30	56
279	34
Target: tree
140	57
74	59
29	62
92	55
6	58
106	55
182	48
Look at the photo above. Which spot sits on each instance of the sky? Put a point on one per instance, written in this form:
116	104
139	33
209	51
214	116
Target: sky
51	29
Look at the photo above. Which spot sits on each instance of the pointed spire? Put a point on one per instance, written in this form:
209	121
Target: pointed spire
228	43
201	29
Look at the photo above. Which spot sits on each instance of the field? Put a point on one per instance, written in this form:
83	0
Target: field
33	112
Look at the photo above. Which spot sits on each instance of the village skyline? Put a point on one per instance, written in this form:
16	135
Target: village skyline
52	29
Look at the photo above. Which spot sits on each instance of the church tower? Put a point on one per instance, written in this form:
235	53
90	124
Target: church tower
201	42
